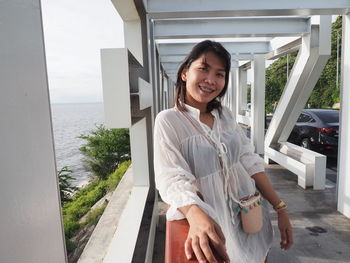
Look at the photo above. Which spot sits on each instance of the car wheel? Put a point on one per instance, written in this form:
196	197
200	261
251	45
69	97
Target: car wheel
305	143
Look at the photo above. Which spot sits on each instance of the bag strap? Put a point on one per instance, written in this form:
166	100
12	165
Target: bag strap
198	128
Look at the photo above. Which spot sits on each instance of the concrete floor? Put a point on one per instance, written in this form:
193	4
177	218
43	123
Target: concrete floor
321	234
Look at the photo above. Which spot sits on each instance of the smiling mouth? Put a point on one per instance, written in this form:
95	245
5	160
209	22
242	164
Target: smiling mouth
206	90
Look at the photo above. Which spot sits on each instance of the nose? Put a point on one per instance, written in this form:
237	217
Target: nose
210	79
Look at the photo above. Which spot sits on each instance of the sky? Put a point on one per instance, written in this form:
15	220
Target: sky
74	33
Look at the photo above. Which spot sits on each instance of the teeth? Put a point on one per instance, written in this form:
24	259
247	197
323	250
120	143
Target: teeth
206	90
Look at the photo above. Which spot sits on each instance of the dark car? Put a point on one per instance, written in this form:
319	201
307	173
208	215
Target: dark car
317	130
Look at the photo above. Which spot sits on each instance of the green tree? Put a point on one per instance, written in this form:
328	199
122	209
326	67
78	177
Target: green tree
276	79
326	91
65	184
105	150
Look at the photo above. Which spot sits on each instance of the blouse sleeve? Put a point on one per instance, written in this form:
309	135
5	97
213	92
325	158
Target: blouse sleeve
251	161
173	176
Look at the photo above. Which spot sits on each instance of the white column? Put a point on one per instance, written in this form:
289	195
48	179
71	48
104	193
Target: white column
234	90
258	103
30	218
166	93
133	39
139	153
344	138
242	91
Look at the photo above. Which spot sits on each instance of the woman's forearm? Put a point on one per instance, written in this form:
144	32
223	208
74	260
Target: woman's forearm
263	184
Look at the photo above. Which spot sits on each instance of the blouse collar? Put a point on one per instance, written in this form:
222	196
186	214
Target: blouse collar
194	112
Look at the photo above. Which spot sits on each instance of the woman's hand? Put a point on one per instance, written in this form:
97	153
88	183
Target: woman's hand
285	230
204	237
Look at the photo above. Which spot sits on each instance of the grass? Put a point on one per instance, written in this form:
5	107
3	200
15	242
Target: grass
84	199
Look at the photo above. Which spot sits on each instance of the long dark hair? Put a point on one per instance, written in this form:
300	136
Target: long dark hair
197	51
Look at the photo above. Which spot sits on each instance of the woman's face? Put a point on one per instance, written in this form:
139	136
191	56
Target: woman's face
205	79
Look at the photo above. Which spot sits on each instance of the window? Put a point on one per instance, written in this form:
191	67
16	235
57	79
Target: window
305	118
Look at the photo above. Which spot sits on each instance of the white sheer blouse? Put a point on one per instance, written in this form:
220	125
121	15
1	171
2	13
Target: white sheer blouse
186	162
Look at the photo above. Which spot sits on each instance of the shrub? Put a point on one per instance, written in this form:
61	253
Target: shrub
94	215
115	177
105	150
82	201
65	184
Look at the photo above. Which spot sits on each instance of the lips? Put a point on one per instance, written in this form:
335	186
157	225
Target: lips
204	89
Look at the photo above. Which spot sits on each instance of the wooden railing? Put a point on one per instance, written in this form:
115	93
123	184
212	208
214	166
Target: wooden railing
176	234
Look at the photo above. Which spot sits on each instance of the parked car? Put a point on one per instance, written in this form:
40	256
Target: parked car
318	130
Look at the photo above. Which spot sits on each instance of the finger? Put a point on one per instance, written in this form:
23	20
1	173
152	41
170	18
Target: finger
290	238
218	246
221	253
220	233
208	253
283	238
188	249
197	250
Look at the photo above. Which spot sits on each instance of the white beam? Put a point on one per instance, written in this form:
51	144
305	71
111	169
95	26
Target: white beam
308	66
172	59
344	137
116	97
179	59
231	27
126	9
139	153
258	103
312	57
235	8
170	66
242	91
132	27
133	38
183	49
31	227
145	94
283	46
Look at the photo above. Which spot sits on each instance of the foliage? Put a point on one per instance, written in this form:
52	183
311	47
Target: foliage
70	245
276	78
95	215
105	150
82	201
115	177
249	93
325	93
65	184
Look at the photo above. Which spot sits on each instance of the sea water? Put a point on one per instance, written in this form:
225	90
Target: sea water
69	122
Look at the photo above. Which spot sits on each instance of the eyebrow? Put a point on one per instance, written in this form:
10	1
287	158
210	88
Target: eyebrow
204	63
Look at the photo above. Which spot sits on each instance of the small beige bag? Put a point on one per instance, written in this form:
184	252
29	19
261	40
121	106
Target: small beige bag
251	213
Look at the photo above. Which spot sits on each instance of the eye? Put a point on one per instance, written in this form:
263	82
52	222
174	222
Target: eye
203	69
220	75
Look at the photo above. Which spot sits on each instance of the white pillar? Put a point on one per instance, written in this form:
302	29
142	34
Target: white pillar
139	153
30	218
258	103
234	90
242	91
344	140
133	39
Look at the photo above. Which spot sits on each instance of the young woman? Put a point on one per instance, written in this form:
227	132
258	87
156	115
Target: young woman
204	166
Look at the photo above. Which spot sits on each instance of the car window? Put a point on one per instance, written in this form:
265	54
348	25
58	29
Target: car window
307	118
330	116
303	118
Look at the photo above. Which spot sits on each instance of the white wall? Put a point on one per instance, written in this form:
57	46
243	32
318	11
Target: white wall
30	219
